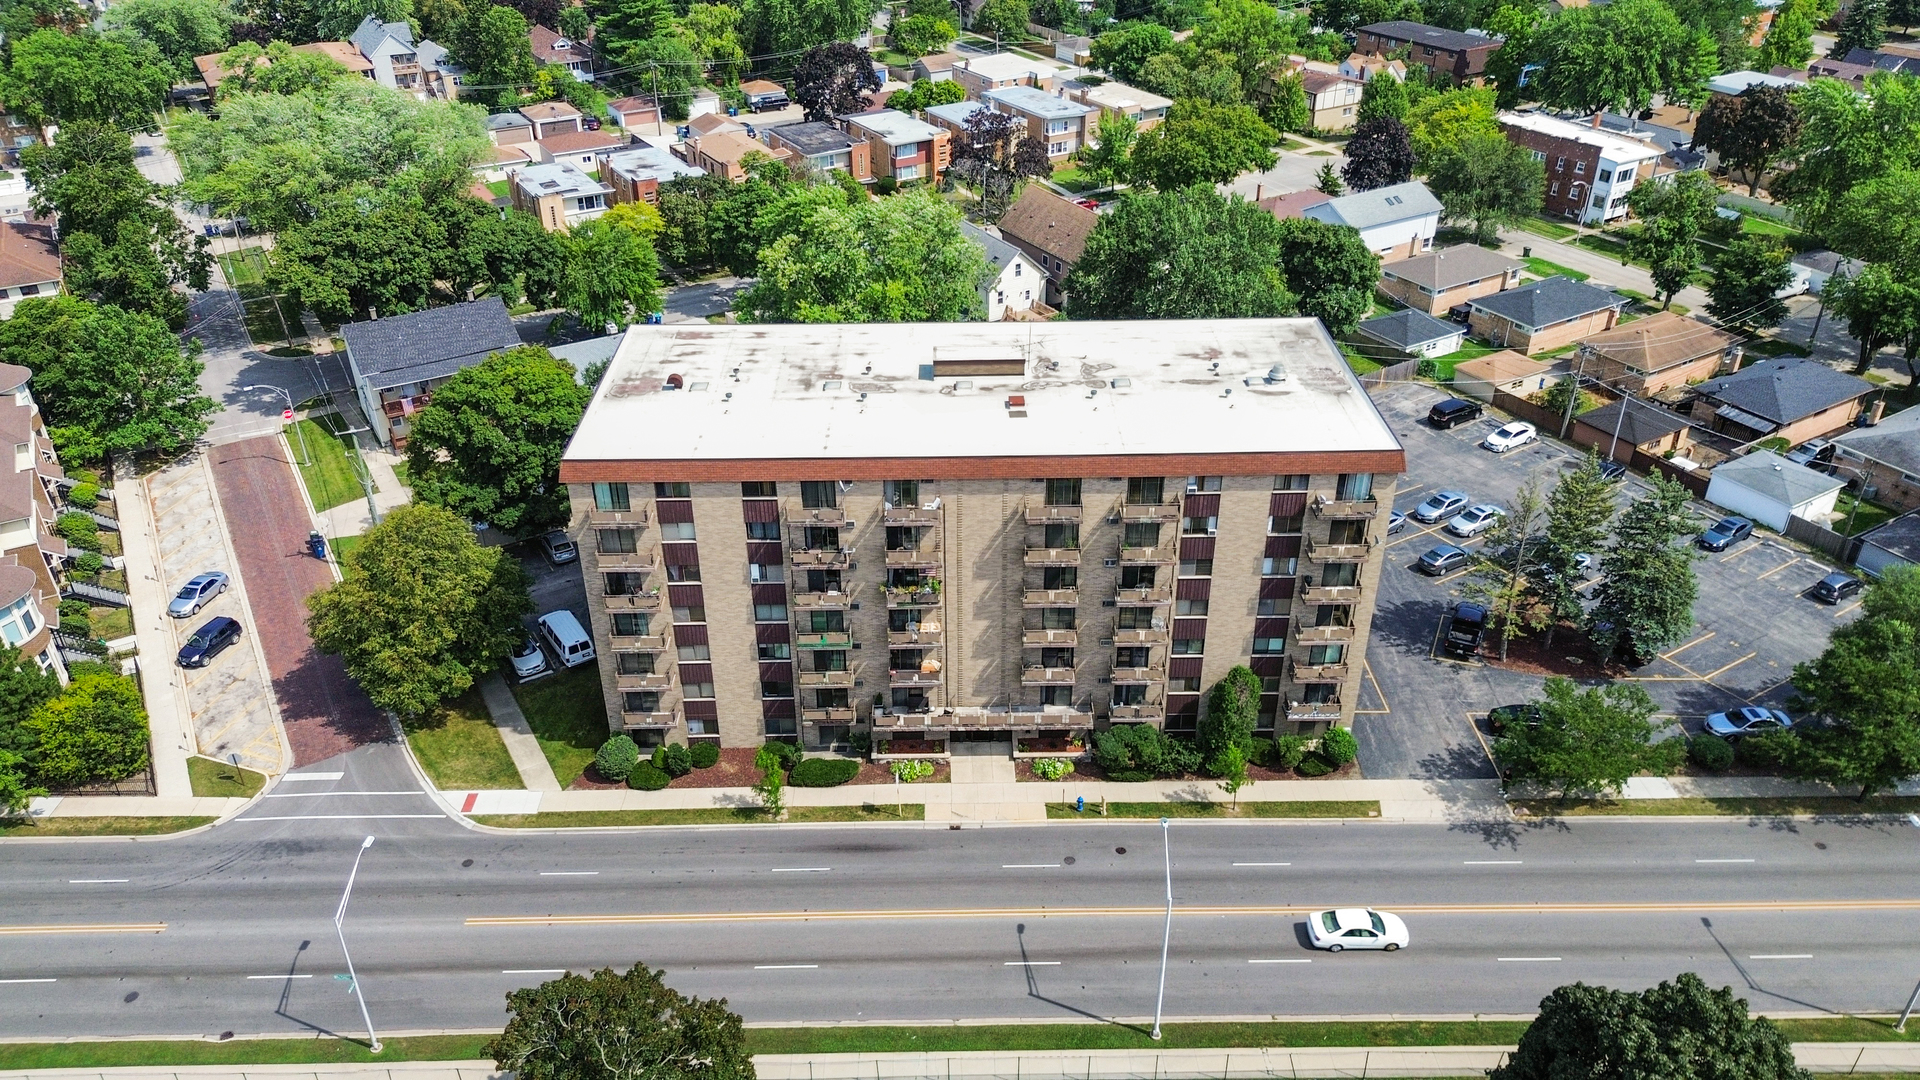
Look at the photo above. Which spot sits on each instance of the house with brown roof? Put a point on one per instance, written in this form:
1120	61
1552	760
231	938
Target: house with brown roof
581	148
633	112
551	48
936	68
552	118
1460	56
343	53
723	152
1291	205
29	264
1505	372
1436	281
1049	230
1332	99
1656	353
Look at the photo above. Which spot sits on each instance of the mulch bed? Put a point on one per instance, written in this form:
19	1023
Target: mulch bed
735	769
1087	770
881	772
1572	656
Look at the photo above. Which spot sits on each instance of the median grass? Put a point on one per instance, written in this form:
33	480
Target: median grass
101	826
1336	808
221	780
713	815
1734	807
270	319
459	747
568	717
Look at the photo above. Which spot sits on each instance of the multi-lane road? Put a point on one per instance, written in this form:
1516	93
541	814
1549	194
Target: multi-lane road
920	923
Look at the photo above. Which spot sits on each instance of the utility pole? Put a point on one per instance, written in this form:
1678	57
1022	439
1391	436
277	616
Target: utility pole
1166	937
1573	396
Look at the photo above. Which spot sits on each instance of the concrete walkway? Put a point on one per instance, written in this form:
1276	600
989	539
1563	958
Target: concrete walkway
65	806
982	788
169	718
536	772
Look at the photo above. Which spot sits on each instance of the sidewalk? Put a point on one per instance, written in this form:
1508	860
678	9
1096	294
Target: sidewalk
168	716
63	806
536	772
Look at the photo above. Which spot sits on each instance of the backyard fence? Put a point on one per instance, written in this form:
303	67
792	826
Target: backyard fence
1818	536
1404	371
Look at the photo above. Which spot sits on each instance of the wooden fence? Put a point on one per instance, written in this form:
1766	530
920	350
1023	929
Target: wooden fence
1403	371
1816	535
1547	420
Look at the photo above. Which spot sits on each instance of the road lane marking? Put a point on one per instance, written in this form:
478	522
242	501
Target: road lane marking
1790	562
1279	961
341	817
98	881
331	794
569	873
784	967
800	870
1782	956
1528	959
16	982
1263	864
1491	862
534	971
85	928
295	777
1721	860
279	977
1029	866
1031	963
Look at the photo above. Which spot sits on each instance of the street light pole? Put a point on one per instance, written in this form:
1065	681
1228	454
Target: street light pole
298	431
338	917
1166	938
1908	1011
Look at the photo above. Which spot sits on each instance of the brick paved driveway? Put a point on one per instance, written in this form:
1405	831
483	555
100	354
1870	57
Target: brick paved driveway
324	712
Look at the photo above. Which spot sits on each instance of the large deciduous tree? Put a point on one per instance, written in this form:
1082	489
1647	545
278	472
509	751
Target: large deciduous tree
1122	52
1578	510
1615	57
492	43
1330	270
180	29
1005	20
423	611
611	1026
1107	158
1203	143
993	154
613	275
921	35
1487	181
1189	254
1749	131
1382	97
1442	123
1746	278
1847	137
1863	693
1879	308
925	94
1233	708
833	80
1588	742
1646	601
1676	1029
1672	214
94	730
1379	154
1789	41
118	79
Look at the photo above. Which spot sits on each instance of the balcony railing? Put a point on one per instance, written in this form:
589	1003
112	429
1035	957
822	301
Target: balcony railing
826	678
903	638
910	515
1051	637
827	716
927	555
1163	555
898	598
1046	676
620	519
1039	513
1136	675
913	677
1138	512
1345	508
822	559
1153	594
830	516
645	562
1330	594
658	680
632	602
821	601
830	639
1148	636
1323	633
1305	672
1307	711
1051	597
1324	551
1046	556
1135	713
649	643
649	719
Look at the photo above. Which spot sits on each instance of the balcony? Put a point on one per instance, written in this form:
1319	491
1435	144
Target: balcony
1051	598
1045	556
1150	636
658	680
1322	633
650	643
830	516
1330	594
813	679
927	556
1051	637
821	559
1305	672
632	602
1125	676
1300	712
1039	513
830	639
901	639
913	677
618	519
645	562
1046	676
910	515
395	408
899	598
649	719
1139	512
1322	551
1163	555
827	716
1156	594
1345	509
1136	713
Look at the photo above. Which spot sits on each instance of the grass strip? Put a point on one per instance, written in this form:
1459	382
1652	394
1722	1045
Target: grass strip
713	815
1544	268
221	780
331	479
102	1055
459	747
102	826
1552	230
1732	807
1337	808
568	717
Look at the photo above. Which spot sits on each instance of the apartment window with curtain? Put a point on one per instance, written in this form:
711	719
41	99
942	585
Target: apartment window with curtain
1279	567
672	491
1141	534
819	494
1063	492
1198	484
776	650
610	496
758	489
1353	487
1146	490
694	652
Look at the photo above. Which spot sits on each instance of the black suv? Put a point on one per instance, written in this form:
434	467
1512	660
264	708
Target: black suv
1453	412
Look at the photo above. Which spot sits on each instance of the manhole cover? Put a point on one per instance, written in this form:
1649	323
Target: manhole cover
1068	861
1119	851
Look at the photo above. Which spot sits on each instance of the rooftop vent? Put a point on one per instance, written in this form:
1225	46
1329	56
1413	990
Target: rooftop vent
675	382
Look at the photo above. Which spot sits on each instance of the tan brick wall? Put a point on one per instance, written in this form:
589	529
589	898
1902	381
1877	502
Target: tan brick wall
1500	332
1409	294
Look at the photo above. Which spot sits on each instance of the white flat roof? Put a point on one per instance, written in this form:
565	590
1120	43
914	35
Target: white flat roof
869	390
1612	146
894	127
1006	65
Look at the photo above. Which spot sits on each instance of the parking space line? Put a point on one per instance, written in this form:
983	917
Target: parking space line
1386	707
1676	652
1768	689
1846	609
1777	569
1739	551
1426	531
1709	677
1482	740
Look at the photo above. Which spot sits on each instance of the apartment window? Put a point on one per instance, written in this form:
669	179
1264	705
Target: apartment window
1623	176
1196	567
1606	176
1056	695
1134	657
683	571
1141	534
1199	526
1320	693
633	663
616	541
826	581
835	698
1189	685
610	497
766	573
1060	577
673	491
1063	492
1283	524
1554	188
903	538
640	701
1579	167
769	613
904	659
677	530
695	652
1347	532
819	494
1189	646
1130	695
1538	155
903	493
777	726
1062	536
763	530
1326	654
1189	607
698	690
623	584
1133	618
1057	618
1599	202
1058	127
825	622
1291	482
1137	577
820	538
775	689
1353	487
630	624
1269	646
1339	574
828	660
1056	148
1559	162
909	699
758	489
1333	615
693	613
908	578
901	620
1056	658
1198	484
1271	607
1146	490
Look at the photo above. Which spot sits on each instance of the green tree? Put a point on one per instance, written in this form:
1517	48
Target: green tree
773	780
712	33
921	35
1672	214
1789	41
1327	181
833	80
614	277
1252	35
1578	510
1745	278
1847	137
902	259
1676	1029
1233	708
1122	52
1379	154
622	23
667	68
1331	271
1106	159
488	446
334	20
180	29
1383	96
275	69
1189	254
24	687
1487	182
1231	768
95	730
1588	742
1863	28
925	94
15	792
1441	124
618	1027
1749	131
1510	558
116	79
1187	73
1520	25
492	43
1614	57
1879	310
1203	143
424	610
1286	108
1879	222
367	253
1004	20
108	381
22	17
1646	601
1866	687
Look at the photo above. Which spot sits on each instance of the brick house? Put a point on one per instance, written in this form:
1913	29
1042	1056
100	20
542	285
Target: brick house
1885	457
1544	315
581	149
32	558
1333	100
1435	281
901	146
396	362
635	175
723	153
1656	353
1146	110
1792	398
998	71
1052	231
1460	56
1619	428
825	148
559	194
1590	170
1054	119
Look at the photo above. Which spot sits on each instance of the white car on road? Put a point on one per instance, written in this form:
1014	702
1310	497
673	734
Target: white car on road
1511	437
1356	928
1475	520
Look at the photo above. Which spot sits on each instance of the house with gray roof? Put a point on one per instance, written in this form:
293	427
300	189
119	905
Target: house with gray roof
1395	221
1544	315
1437	280
1769	489
1791	398
399	63
1400	335
1897	543
1017	283
1617	429
1885	457
397	361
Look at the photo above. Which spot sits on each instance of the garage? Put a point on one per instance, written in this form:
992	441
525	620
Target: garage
1768	489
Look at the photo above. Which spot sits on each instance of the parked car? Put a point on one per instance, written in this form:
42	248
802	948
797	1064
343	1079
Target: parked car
1504	716
206	642
529	662
1466	627
1836	587
560	547
1612	470
197	594
1453	412
592	123
1747	720
566	637
1440	504
1726	532
1814	454
1091	204
1356	928
1475	520
1396	521
1511	437
1443	559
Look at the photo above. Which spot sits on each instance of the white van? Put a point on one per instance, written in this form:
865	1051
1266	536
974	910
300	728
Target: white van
566	638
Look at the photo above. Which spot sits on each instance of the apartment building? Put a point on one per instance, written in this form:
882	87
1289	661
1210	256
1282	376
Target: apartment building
1589	169
819	531
32	559
1061	123
901	146
1333	100
825	148
997	71
1460	56
1117	99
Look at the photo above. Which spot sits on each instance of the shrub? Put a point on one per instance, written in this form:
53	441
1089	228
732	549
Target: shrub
89	563
672	759
1710	752
95	730
1314	765
1287	752
1428	368
616	758
912	771
1233	707
80	625
1051	768
886	185
84	496
645	777
72	608
824	772
1768	750
704	755
79	530
786	754
1338	746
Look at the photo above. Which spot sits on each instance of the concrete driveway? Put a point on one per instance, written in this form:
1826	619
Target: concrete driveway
1297	170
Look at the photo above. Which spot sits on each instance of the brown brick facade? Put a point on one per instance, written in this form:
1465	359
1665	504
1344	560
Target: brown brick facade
1571	168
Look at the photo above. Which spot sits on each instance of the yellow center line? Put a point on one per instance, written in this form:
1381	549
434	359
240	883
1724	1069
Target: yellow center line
1158	911
87	928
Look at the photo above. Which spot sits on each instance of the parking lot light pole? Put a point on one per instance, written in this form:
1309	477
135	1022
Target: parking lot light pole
338	918
1166	938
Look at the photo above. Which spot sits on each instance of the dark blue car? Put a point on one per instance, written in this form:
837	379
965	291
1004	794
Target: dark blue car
206	642
1726	532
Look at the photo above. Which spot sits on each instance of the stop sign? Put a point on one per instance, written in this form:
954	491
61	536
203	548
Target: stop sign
287	414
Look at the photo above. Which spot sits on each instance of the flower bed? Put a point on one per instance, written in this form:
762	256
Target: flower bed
896	747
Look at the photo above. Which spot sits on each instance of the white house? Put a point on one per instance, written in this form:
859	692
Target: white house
1768	489
1017	283
1396	222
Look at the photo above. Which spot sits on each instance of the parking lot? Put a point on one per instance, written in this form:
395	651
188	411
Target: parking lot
1418	712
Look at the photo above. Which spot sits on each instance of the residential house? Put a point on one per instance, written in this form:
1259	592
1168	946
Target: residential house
997	71
1544	315
902	147
550	118
1404	334
214	69
509	129
1436	281
1824	68
1394	221
1733	83
635	175
1813	269
1118	99
583	149
1363	67
16	134
1885	458
343	53
396	362
1656	353
1061	123
634	112
551	49
497	166
1505	372
935	68
825	148
1675	143
1291	205
953	117
559	194
29	263
32	559
1052	231
1791	398
1016	282
390	48
764	95
1617	429
1897	543
1461	57
724	153
1767	489
703	102
1888	57
706	124
1332	100
1589	170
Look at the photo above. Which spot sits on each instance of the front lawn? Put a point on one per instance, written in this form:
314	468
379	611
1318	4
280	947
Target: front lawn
569	716
459	747
220	780
1539	267
101	826
1552	230
269	319
1472	350
331	479
715	815
110	623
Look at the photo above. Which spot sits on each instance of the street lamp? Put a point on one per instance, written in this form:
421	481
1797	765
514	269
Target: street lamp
297	429
338	917
1166	938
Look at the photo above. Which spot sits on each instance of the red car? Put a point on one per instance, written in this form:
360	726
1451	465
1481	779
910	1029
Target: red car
1091	204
